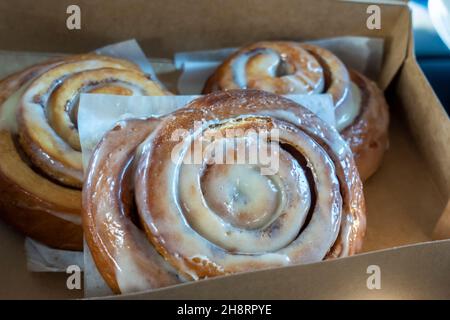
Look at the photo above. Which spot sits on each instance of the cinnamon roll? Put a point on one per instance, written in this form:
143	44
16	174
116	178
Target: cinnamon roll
40	156
157	212
296	68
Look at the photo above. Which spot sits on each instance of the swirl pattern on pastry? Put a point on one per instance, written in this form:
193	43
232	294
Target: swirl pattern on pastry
47	114
41	170
284	67
211	218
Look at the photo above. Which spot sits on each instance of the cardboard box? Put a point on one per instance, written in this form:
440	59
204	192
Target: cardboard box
406	198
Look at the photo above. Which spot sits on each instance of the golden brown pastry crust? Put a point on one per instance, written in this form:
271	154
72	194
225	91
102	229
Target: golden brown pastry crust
154	172
368	135
39	198
313	70
110	163
21	204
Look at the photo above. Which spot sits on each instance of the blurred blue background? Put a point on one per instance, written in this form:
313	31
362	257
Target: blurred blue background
431	51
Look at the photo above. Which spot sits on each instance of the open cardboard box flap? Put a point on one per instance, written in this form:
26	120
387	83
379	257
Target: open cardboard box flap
405	199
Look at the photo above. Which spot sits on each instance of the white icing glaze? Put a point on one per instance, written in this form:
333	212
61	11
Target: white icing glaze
347	112
269	65
169	187
9	109
186	212
300	79
292	202
133	88
137	265
8	121
46	118
74	218
130	277
256	67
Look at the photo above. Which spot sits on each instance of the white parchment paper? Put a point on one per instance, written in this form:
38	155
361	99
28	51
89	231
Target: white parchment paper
41	258
360	53
129	50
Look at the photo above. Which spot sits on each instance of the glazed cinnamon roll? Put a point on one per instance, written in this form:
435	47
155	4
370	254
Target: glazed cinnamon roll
297	68
157	212
40	156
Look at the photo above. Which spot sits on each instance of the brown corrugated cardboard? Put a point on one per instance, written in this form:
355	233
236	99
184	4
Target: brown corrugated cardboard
412	272
405	199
